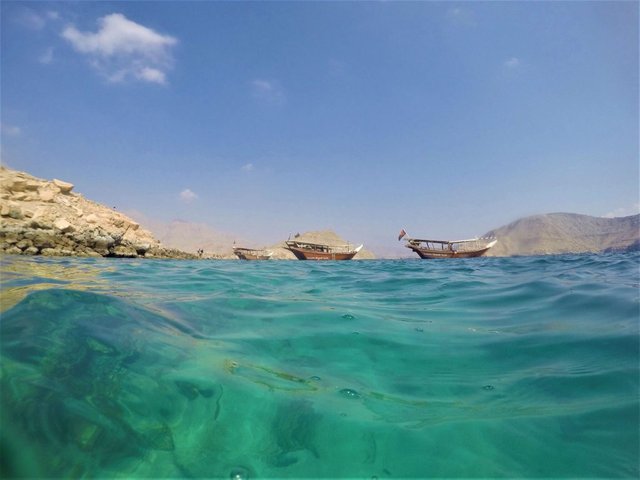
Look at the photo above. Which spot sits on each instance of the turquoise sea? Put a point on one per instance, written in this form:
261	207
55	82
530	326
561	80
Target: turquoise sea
488	367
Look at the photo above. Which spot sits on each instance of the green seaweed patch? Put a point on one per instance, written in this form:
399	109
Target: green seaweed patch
392	398
273	379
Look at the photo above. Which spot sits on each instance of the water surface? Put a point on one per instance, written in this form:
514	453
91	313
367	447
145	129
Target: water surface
519	367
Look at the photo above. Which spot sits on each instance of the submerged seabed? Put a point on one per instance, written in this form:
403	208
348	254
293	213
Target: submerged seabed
521	367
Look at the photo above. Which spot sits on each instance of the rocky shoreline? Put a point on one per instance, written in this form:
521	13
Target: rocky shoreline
41	217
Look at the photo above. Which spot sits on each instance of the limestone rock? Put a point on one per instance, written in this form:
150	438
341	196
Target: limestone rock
65	187
17	184
124	251
15	212
40	217
64	226
48	192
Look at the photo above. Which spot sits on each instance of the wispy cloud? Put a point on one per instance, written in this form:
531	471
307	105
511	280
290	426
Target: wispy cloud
47	57
44	22
624	211
461	16
10	130
512	63
248	167
187	196
122	49
34	20
268	91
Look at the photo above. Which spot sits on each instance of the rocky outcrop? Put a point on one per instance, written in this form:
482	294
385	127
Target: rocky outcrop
556	233
41	217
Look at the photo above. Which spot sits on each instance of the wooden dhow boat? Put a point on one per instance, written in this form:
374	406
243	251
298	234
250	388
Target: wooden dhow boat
252	253
318	251
429	249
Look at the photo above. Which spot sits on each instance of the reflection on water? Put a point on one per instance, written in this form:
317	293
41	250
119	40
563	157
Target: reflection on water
289	369
23	275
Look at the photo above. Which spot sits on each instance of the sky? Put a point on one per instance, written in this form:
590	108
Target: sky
264	119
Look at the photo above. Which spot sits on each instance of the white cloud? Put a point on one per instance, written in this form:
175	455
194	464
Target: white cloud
461	16
10	130
248	167
122	49
187	196
154	75
47	57
624	211
512	63
268	91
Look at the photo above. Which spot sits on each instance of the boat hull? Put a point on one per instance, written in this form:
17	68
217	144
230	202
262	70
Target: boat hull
428	254
302	254
247	254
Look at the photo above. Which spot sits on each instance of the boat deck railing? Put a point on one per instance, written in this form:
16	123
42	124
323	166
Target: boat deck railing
319	247
452	245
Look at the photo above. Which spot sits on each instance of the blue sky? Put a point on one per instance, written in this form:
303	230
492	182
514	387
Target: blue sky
269	118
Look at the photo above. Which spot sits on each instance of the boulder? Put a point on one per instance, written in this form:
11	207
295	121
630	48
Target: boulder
103	242
32	185
124	251
62	225
65	187
17	185
10	237
15	212
44	241
48	192
24	244
91	218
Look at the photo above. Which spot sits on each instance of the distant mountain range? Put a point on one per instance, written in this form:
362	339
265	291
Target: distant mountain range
190	236
554	233
551	233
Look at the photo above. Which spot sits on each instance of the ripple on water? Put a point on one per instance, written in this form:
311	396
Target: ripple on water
247	369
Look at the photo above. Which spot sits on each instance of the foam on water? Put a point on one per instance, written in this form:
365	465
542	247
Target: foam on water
519	367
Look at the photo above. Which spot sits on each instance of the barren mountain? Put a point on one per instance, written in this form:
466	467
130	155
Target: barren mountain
566	233
191	237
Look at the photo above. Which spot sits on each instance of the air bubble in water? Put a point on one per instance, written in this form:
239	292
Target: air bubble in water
349	393
239	473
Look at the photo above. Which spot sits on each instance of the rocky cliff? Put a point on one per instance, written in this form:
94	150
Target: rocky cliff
41	217
566	233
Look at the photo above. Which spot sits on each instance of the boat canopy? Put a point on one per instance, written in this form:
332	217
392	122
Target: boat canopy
443	242
320	247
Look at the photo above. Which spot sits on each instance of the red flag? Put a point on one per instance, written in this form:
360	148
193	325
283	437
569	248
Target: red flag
402	234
